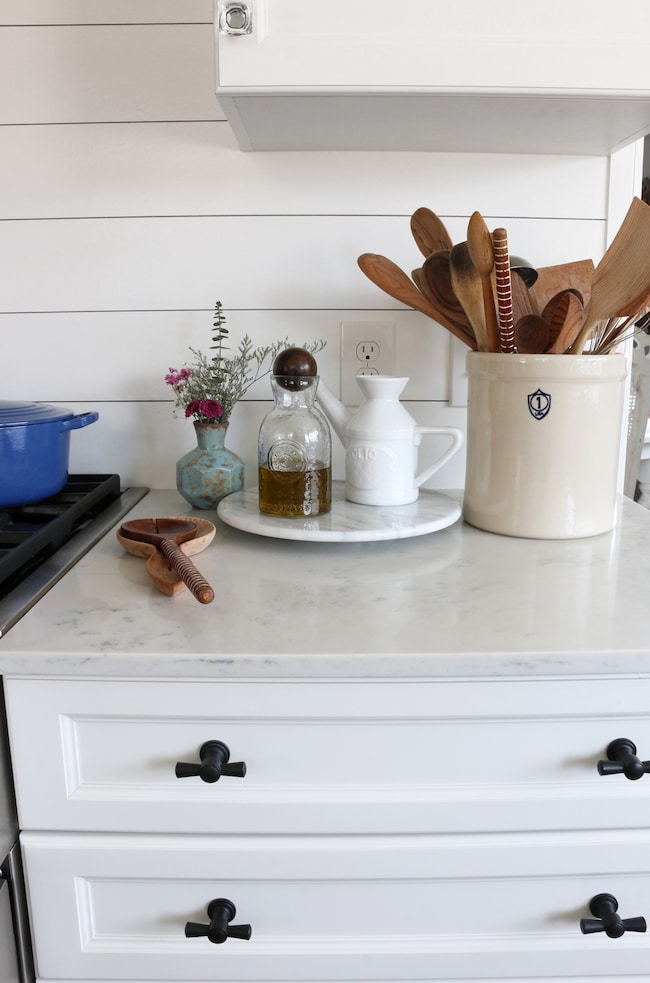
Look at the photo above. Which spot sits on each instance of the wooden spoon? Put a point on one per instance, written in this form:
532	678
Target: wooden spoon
622	278
563	314
435	283
166	534
531	334
467	286
429	232
481	251
394	281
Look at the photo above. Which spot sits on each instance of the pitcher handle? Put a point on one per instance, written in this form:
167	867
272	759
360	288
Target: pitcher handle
457	438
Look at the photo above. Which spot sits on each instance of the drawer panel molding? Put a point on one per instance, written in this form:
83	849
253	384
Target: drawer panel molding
335	908
399	756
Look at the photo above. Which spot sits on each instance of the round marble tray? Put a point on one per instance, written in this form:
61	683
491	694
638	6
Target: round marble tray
347	522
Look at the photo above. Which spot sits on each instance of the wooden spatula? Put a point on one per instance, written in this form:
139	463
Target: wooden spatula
621	280
551	279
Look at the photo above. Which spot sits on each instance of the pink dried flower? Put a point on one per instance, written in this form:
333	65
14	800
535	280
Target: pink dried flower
193	407
177	377
210	408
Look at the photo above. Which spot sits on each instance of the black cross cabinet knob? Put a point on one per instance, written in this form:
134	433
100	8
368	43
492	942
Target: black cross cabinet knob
622	760
221	912
604	908
215	762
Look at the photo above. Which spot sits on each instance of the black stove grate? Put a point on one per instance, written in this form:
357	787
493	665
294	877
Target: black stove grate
30	534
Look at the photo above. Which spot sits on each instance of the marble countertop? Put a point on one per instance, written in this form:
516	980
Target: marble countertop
456	602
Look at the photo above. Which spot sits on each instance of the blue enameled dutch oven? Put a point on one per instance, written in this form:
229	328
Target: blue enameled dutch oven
34	449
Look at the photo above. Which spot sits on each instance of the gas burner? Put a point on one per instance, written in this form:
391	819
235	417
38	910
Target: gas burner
39	542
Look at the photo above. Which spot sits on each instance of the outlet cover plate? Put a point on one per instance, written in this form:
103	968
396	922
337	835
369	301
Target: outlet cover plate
366	347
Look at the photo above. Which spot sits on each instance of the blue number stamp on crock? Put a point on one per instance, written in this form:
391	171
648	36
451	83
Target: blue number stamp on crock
539	404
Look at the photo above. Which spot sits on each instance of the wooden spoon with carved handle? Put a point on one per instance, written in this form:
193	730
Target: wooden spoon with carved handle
504	291
166	534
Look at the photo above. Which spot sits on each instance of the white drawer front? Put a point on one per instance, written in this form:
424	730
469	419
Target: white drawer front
327	756
339	908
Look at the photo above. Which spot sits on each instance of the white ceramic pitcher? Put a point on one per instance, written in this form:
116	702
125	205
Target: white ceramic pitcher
381	441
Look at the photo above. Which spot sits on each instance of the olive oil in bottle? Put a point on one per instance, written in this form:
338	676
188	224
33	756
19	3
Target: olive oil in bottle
295	492
294	445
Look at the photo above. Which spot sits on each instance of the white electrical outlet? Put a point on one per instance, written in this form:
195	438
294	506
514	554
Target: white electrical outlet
367	348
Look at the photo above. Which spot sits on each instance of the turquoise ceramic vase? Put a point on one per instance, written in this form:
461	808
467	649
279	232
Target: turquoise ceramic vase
208	473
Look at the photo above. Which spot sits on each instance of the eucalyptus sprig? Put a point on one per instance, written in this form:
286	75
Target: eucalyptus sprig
209	388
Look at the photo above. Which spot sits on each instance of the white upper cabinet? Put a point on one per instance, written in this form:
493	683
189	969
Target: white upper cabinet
557	77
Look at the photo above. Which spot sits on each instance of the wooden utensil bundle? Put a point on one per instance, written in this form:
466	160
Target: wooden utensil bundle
571	308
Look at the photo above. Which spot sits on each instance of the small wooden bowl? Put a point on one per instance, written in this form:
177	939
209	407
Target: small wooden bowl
162	575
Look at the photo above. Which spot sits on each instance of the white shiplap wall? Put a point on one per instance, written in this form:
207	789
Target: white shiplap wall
127	209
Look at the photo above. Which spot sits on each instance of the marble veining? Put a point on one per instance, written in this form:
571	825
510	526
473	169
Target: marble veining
457	602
